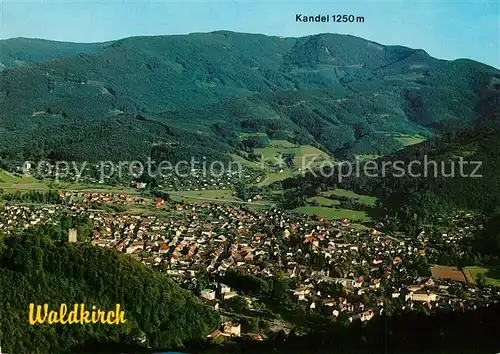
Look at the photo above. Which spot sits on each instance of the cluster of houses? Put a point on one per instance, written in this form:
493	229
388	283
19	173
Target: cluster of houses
67	172
198	179
22	217
184	178
452	232
345	272
372	269
86	198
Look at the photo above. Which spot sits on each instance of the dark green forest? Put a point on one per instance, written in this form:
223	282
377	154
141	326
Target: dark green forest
444	332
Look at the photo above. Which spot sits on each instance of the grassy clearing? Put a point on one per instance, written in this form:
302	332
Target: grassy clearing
6	178
209	193
77	186
408	140
404	77
302	153
328	208
365	199
217	196
491	279
323	201
334	213
271	174
272	177
282	144
247	135
29	186
366	157
12	182
247	163
405	139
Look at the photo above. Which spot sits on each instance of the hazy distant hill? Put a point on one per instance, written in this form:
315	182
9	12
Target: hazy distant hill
337	92
17	52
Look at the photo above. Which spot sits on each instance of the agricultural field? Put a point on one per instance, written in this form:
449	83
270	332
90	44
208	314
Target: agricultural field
303	154
275	176
324	206
9	181
272	158
408	140
492	277
329	208
334	213
469	274
366	157
217	196
365	199
445	272
273	162
323	201
405	139
245	162
271	174
89	187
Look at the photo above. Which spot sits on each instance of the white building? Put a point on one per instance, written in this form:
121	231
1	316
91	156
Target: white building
224	288
423	297
232	329
208	294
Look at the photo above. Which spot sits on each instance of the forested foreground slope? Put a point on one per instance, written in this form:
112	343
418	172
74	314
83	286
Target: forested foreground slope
37	266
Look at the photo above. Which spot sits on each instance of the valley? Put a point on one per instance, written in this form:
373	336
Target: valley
208	199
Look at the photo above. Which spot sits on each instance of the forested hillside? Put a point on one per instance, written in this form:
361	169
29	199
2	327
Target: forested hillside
339	93
38	266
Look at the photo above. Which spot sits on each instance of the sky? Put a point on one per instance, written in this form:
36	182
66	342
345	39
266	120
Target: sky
444	29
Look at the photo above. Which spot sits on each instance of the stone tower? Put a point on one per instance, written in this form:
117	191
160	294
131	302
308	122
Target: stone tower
72	233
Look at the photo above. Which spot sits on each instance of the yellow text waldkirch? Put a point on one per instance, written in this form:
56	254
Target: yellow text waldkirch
41	314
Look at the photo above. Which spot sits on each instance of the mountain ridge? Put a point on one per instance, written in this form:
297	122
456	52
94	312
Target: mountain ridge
331	82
